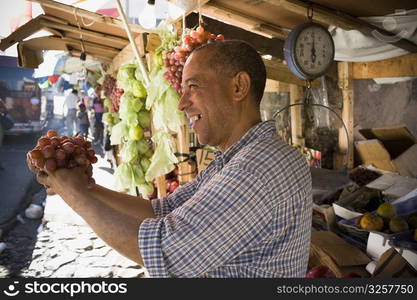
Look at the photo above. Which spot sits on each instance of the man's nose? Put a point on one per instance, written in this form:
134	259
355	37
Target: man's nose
184	102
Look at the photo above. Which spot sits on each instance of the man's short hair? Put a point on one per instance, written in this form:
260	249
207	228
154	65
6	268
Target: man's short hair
233	56
74	91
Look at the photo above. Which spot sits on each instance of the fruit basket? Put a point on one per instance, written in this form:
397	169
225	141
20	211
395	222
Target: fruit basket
405	210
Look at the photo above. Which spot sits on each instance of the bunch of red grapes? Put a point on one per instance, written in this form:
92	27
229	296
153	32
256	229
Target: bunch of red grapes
53	152
175	59
112	91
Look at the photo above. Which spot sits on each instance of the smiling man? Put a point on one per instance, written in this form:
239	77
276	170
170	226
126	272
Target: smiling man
248	214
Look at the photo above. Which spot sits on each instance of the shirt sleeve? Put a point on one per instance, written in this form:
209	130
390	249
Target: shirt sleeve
165	205
223	219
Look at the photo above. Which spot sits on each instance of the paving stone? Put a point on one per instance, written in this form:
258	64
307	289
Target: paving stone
128	273
98	243
100	262
60	260
92	272
66	271
78	244
101	252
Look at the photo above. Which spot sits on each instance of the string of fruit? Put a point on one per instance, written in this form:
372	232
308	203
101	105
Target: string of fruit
133	132
175	58
54	152
112	91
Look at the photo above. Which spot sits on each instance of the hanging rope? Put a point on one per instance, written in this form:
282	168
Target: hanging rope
200	18
79	27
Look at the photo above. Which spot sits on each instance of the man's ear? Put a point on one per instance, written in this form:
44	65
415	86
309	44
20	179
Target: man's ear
241	86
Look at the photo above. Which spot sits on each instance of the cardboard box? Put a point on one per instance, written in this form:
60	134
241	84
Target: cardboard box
324	217
342	258
392	264
392	149
379	242
394	186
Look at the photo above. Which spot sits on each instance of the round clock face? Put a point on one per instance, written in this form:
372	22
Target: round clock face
309	50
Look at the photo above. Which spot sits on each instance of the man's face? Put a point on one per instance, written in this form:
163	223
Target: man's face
207	100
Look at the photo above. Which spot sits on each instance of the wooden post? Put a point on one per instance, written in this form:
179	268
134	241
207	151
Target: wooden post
345	143
296	96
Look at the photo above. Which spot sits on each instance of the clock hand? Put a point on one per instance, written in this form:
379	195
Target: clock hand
313	51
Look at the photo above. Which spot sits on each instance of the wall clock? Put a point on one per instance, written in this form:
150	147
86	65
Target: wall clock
309	51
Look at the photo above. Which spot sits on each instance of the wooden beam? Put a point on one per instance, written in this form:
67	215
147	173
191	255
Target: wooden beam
343	20
401	66
346	142
277	70
264	45
273	86
21	33
296	96
320	15
88	14
114	41
243	21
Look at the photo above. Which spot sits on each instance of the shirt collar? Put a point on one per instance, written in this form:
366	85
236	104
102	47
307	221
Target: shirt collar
261	129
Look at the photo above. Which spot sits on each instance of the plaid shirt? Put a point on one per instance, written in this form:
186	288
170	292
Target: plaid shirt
248	214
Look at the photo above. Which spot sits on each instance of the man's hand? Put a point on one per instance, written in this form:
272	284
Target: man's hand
64	180
61	179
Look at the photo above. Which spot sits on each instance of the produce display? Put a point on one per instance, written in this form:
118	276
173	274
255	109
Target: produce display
132	132
53	152
175	58
112	92
385	219
171	181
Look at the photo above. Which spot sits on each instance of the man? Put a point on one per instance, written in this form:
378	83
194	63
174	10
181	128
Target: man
248	214
70	111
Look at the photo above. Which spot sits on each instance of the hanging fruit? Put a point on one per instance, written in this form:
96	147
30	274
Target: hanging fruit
175	59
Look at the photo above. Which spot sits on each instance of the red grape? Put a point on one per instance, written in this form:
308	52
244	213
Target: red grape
36	154
90	153
43	141
48	151
60	154
55	141
93	159
52	133
68	147
40	162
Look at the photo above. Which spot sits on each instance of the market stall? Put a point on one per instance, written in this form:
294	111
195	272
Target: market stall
157	149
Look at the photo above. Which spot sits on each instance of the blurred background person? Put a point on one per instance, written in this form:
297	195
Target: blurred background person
98	107
82	119
70	111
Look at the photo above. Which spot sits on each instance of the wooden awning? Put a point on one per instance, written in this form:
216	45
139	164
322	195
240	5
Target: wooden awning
72	29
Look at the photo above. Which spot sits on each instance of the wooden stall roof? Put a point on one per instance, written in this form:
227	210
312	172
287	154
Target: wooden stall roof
267	15
103	37
269	21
